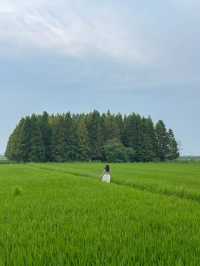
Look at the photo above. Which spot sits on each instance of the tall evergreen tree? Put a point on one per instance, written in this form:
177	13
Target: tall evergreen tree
71	138
83	141
172	146
18	148
133	135
94	126
24	142
46	132
110	128
58	144
37	151
162	141
120	125
149	140
66	137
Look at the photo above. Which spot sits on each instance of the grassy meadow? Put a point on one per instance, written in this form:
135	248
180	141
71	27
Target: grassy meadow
60	214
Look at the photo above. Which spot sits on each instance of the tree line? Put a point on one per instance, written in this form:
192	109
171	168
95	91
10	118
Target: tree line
93	136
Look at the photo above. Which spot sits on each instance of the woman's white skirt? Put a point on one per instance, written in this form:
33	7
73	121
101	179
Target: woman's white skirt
106	178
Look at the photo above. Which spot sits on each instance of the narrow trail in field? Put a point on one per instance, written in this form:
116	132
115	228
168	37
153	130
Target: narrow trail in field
50	169
187	195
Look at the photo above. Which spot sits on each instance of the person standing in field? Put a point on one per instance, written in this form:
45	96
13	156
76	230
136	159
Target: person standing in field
106	174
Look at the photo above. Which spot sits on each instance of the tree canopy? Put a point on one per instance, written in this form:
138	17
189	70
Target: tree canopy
93	136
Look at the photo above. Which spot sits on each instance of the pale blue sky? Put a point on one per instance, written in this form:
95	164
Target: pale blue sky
126	56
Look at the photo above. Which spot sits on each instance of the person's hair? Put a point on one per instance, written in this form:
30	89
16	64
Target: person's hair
107	168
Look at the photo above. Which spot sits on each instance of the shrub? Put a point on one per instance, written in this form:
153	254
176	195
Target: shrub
115	151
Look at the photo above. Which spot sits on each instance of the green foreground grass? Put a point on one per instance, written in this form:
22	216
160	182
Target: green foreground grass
60	214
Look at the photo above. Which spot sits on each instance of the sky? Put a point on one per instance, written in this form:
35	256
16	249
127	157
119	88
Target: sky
125	56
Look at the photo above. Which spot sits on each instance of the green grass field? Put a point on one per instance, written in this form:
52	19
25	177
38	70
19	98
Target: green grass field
60	214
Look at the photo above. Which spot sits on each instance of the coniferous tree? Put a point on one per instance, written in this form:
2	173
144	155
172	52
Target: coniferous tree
37	150
18	148
46	135
110	128
24	142
120	125
71	138
94	126
172	146
58	149
162	141
149	140
66	137
11	145
133	135
83	141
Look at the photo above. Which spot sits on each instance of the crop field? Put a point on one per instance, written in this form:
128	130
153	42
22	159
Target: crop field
61	214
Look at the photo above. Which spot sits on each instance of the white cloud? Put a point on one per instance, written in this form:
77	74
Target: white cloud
65	28
140	33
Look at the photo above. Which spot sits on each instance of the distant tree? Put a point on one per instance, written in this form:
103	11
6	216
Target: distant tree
46	132
64	139
94	127
83	141
13	150
131	155
19	144
93	136
12	145
110	127
114	151
71	138
37	151
162	140
120	125
58	143
149	140
173	151
24	141
133	135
